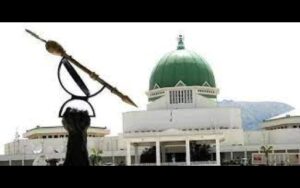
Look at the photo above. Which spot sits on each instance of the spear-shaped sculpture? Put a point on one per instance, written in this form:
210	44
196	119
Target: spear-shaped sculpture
56	49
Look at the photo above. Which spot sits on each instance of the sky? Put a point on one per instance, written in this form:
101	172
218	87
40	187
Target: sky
251	62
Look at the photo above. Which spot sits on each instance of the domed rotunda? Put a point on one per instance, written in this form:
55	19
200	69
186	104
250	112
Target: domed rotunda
184	78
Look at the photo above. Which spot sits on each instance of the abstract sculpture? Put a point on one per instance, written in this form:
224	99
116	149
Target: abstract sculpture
76	122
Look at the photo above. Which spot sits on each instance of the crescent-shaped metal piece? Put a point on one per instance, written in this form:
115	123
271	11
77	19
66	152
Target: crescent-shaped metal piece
80	84
69	92
75	76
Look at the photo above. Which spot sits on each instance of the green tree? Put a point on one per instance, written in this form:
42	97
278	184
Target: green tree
200	152
148	155
266	150
95	157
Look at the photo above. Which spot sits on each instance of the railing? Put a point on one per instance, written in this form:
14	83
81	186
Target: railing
174	164
144	164
198	163
204	163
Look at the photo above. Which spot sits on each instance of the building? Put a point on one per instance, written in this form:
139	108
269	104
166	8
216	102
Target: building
48	142
182	109
181	119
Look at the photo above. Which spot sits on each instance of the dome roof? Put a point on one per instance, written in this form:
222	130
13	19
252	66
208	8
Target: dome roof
184	66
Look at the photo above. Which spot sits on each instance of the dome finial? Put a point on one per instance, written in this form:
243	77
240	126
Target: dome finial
180	45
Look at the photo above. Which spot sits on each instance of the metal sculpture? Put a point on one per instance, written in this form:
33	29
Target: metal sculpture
55	48
76	122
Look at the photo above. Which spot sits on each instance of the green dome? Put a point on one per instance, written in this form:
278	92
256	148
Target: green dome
182	65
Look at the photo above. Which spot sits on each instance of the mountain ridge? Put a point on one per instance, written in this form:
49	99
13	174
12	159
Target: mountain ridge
253	113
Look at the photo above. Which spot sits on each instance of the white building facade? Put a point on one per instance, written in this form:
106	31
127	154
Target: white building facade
182	115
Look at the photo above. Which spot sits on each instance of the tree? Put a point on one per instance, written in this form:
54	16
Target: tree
200	152
148	155
266	150
95	157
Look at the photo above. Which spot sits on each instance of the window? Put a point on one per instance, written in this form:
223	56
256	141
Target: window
50	136
44	137
56	136
61	136
181	96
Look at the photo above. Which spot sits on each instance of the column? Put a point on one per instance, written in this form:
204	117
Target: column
245	160
287	157
157	153
9	161
274	159
231	155
128	158
163	154
187	152
136	154
218	152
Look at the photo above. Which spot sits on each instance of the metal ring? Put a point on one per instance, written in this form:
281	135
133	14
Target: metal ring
64	88
73	96
72	99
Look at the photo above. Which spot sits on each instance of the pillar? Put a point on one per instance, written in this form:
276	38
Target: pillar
245	160
218	157
128	157
157	153
163	154
187	152
136	154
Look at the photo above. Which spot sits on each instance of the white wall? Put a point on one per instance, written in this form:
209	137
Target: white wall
282	121
199	101
233	137
203	102
254	137
278	136
60	144
285	136
182	119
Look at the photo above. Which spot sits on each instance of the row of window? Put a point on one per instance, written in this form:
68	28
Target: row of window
181	96
206	91
55	136
61	136
156	93
195	129
148	131
209	128
284	127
